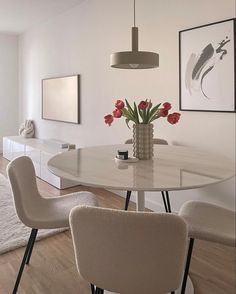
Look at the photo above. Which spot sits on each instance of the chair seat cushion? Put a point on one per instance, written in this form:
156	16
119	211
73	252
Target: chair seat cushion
54	212
209	222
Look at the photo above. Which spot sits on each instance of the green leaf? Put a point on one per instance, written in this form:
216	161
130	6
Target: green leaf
129	107
148	114
148	110
145	116
140	113
153	118
136	112
127	122
154	109
127	114
153	112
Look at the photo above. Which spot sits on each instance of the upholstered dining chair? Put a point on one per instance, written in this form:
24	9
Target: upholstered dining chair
129	252
34	210
165	194
208	222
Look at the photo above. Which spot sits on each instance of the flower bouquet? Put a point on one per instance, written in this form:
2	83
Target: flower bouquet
142	115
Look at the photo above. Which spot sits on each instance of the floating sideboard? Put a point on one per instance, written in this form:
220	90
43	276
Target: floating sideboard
40	153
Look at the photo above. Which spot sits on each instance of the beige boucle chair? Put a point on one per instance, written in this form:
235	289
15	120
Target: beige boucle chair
129	252
36	211
208	222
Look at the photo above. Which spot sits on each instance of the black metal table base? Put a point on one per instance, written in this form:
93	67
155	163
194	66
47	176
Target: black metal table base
127	200
165	198
96	290
166	201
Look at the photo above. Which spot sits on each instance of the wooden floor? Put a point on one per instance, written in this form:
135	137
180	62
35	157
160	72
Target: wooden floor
52	269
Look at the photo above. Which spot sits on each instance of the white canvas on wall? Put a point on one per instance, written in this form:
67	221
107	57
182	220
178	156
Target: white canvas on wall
60	99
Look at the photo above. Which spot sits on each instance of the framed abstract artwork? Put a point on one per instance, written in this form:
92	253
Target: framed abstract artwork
207	67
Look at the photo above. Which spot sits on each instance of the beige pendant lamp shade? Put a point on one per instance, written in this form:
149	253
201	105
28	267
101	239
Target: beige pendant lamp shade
134	59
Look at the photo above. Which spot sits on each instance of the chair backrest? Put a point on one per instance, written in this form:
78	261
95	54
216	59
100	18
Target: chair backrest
155	141
22	179
129	252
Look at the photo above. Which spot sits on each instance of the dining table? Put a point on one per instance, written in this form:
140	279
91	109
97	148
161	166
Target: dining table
172	168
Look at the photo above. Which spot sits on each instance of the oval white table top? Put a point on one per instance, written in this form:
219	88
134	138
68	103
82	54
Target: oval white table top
172	168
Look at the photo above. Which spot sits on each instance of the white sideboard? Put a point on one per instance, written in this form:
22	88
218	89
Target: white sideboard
40	152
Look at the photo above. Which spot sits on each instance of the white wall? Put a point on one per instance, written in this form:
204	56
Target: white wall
81	40
8	85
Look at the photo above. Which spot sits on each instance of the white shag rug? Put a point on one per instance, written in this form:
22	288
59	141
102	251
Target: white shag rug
13	233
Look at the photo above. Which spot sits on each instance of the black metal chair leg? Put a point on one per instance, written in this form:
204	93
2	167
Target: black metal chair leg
99	291
164	201
128	194
92	289
32	246
188	261
168	202
27	250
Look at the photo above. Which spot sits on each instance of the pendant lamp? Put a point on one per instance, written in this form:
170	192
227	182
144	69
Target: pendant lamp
134	59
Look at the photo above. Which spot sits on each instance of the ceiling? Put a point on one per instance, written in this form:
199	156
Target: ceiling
17	16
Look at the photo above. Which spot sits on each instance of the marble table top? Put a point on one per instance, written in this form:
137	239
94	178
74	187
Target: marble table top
172	168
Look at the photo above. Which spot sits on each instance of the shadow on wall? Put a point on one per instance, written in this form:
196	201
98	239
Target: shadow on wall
221	193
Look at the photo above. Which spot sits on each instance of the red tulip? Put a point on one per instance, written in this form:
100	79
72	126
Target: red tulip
143	105
173	118
108	119
163	112
117	113
167	106
119	104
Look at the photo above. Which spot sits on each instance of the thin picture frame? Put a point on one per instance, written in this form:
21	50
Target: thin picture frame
206	56
77	107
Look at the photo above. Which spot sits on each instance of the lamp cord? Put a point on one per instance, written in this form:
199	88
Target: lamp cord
134	13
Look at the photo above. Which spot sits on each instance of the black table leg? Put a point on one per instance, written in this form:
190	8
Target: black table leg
164	200
128	194
168	202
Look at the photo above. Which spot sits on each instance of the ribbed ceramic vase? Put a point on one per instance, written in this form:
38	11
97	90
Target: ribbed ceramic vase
143	141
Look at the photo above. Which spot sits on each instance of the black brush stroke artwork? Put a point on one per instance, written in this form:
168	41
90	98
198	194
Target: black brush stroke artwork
198	67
